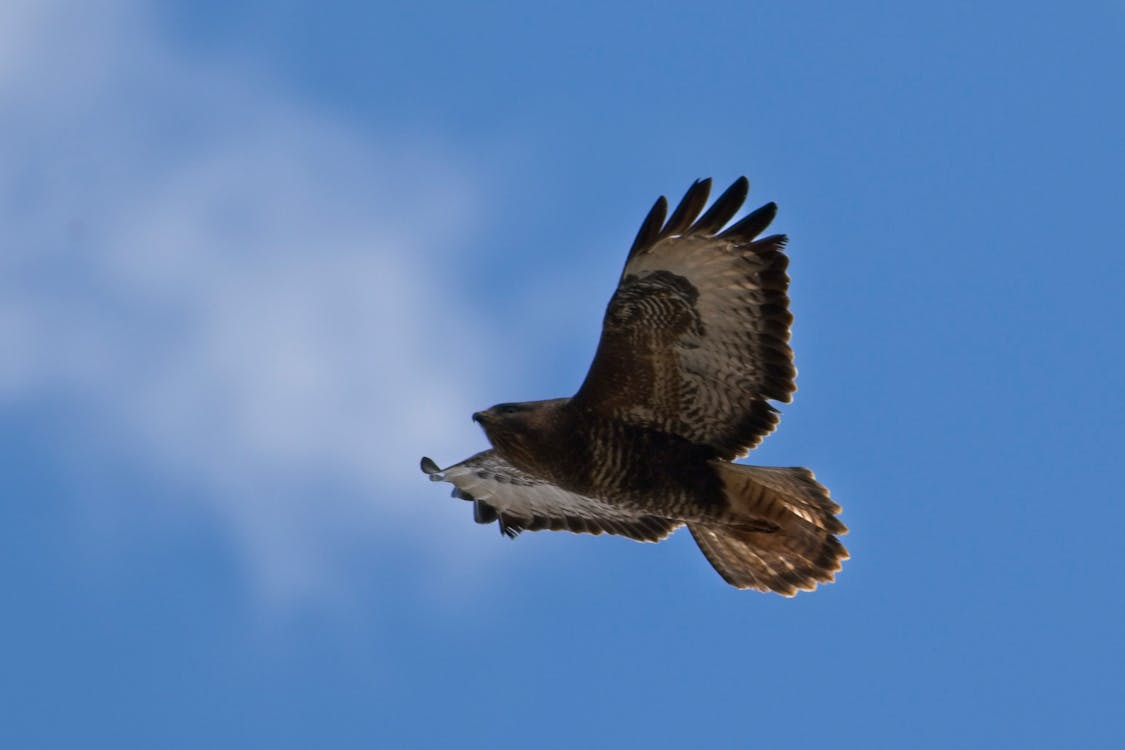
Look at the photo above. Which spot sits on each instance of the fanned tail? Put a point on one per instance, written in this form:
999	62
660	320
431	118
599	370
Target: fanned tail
784	535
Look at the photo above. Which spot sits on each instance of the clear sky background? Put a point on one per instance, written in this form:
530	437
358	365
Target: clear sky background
257	258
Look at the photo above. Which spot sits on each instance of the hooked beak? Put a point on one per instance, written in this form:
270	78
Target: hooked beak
478	417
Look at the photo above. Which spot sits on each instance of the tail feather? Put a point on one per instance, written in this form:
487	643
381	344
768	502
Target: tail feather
783	536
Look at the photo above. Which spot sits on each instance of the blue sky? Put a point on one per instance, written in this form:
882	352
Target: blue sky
258	258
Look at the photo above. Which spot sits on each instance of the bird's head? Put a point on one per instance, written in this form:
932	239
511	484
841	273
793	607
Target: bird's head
515	429
505	416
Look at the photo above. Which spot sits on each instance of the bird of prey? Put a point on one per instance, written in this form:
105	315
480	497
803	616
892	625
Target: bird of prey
694	346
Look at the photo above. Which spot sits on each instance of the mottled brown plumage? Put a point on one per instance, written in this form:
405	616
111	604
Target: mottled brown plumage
694	346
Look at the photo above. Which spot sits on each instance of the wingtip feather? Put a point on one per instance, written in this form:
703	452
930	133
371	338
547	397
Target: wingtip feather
753	224
688	210
723	209
650	227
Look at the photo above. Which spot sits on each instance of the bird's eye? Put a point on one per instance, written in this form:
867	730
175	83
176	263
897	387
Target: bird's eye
508	408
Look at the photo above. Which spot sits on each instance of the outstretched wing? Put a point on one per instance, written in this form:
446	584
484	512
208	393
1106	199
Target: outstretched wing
695	340
518	501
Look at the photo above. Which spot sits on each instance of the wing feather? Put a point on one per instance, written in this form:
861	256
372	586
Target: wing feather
723	209
752	224
693	202
521	502
650	227
695	340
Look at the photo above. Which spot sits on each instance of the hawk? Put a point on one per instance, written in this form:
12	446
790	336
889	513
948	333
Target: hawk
694	346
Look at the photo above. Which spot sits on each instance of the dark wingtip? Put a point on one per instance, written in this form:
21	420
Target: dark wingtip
723	209
428	465
650	228
753	224
483	513
690	205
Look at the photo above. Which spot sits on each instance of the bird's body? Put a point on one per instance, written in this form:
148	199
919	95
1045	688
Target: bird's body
639	467
694	345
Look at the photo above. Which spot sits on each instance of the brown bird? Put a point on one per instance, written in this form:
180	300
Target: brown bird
694	346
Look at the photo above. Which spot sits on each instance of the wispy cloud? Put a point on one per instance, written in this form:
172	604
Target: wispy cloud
229	285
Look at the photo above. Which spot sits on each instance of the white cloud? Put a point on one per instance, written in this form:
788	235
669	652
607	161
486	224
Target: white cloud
244	293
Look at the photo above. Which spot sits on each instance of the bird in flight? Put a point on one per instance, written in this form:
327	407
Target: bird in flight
694	346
